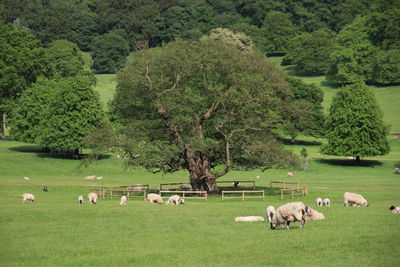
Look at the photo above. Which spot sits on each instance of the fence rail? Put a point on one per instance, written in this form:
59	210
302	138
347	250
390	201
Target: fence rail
285	186
238	184
186	194
243	194
128	193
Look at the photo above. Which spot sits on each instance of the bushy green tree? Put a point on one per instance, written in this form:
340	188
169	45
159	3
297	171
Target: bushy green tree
202	106
354	126
66	57
387	67
353	54
310	52
109	51
57	114
22	60
239	40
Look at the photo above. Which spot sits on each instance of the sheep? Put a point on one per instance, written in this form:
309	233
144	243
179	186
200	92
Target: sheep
352	199
92	197
249	219
123	200
175	199
312	215
28	197
396	171
270	211
90	177
319	202
99	178
155	198
45	189
287	213
236	184
290	174
326	202
394	209
80	200
185	187
26	178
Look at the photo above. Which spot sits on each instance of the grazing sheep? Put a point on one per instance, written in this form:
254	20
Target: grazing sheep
45	189
181	201
28	197
249	219
290	174
394	209
326	202
99	178
175	199
270	211
236	184
80	200
26	178
92	197
185	187
396	171
319	202
312	215
155	198
90	177
287	213
123	200
352	198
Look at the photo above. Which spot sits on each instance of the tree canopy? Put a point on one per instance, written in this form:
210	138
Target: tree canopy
202	106
66	58
354	126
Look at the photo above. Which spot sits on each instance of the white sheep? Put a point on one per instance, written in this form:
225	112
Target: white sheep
28	197
287	213
326	202
249	219
394	209
352	199
99	177
175	200
123	200
90	177
80	200
312	215
290	174
26	178
154	198
319	202
92	198
270	211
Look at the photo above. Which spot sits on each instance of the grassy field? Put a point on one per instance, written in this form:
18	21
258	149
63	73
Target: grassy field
55	231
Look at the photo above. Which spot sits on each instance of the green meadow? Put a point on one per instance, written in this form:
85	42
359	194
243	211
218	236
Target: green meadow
55	231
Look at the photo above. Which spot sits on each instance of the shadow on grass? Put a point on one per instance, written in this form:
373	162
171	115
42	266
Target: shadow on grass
351	163
43	154
287	141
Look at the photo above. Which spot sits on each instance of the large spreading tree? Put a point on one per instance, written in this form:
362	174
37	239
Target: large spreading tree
354	126
202	106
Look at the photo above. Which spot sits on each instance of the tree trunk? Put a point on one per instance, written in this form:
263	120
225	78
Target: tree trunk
2	125
201	177
358	158
204	183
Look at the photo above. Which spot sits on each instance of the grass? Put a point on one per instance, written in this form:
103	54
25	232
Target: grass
54	230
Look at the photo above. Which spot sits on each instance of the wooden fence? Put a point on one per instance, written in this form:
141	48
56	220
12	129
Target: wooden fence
243	194
186	194
128	193
237	184
173	186
135	187
292	187
100	191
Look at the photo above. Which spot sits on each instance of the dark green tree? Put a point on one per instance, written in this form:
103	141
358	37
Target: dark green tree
353	54
66	57
204	107
109	52
57	114
310	52
22	60
387	67
354	126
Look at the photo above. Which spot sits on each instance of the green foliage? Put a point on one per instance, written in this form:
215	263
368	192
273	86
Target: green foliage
354	126
57	114
238	40
305	113
353	54
310	52
66	57
109	52
387	67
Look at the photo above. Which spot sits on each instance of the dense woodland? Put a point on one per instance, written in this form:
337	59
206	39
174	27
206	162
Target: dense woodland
206	100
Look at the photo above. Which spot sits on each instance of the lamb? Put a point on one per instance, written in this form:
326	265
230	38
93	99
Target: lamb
92	197
290	174
123	200
352	199
80	200
326	202
45	189
28	197
26	178
90	177
175	199
396	171
270	213
395	210
312	215
249	219
287	213
155	198
319	202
